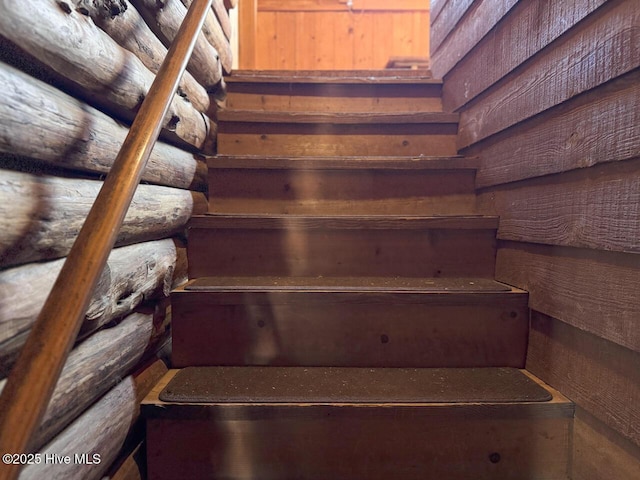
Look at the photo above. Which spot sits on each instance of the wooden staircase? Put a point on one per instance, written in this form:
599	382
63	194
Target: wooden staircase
342	320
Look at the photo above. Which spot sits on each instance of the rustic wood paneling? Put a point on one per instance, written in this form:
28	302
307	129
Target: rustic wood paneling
318	36
480	19
599	453
341	5
446	19
598	50
602	125
528	28
597	208
591	290
603	378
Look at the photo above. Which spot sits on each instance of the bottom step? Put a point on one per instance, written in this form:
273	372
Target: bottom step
356	423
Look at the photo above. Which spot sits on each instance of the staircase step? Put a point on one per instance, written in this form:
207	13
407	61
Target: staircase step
374	245
344	185
356	322
381	94
392	76
336	134
304	423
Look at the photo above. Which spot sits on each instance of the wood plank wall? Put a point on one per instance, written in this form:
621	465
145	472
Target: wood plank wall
330	35
549	98
70	88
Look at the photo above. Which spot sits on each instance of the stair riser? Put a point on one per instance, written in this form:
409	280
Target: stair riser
356	330
334	98
340	192
245	138
341	252
452	443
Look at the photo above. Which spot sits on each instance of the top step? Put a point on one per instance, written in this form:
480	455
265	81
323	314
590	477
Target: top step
381	91
389	76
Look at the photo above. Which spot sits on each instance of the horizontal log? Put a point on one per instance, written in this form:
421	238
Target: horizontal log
73	135
93	367
591	54
101	430
599	376
40	216
589	208
215	35
126	26
602	125
517	38
133	274
594	291
479	20
223	17
101	72
165	18
599	453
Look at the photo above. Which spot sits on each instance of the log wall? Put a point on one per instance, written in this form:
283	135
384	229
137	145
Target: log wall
73	73
549	98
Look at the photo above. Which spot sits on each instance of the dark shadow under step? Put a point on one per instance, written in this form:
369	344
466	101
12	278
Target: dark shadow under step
351	385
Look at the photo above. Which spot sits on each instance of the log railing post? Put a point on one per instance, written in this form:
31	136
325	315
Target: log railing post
35	374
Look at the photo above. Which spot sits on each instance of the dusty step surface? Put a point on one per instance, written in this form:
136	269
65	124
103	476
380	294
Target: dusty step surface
336	134
369	245
394	76
357	424
358	322
342	185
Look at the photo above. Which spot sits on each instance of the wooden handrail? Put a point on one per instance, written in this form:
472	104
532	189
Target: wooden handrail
35	374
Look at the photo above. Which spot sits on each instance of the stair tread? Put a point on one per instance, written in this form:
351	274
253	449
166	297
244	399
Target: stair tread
261	116
312	385
349	284
346	222
332	76
344	163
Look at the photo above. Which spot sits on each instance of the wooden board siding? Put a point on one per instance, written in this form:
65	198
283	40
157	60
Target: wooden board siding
600	376
548	98
317	35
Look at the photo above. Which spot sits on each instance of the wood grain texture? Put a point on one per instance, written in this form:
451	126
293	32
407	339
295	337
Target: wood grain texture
101	429
297	250
600	49
374	329
446	19
75	136
133	274
602	125
594	291
595	208
92	369
341	118
102	72
376	442
128	28
339	192
247	31
330	5
298	97
222	14
528	28
599	453
357	76
599	376
337	140
213	32
207	60
479	20
42	215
